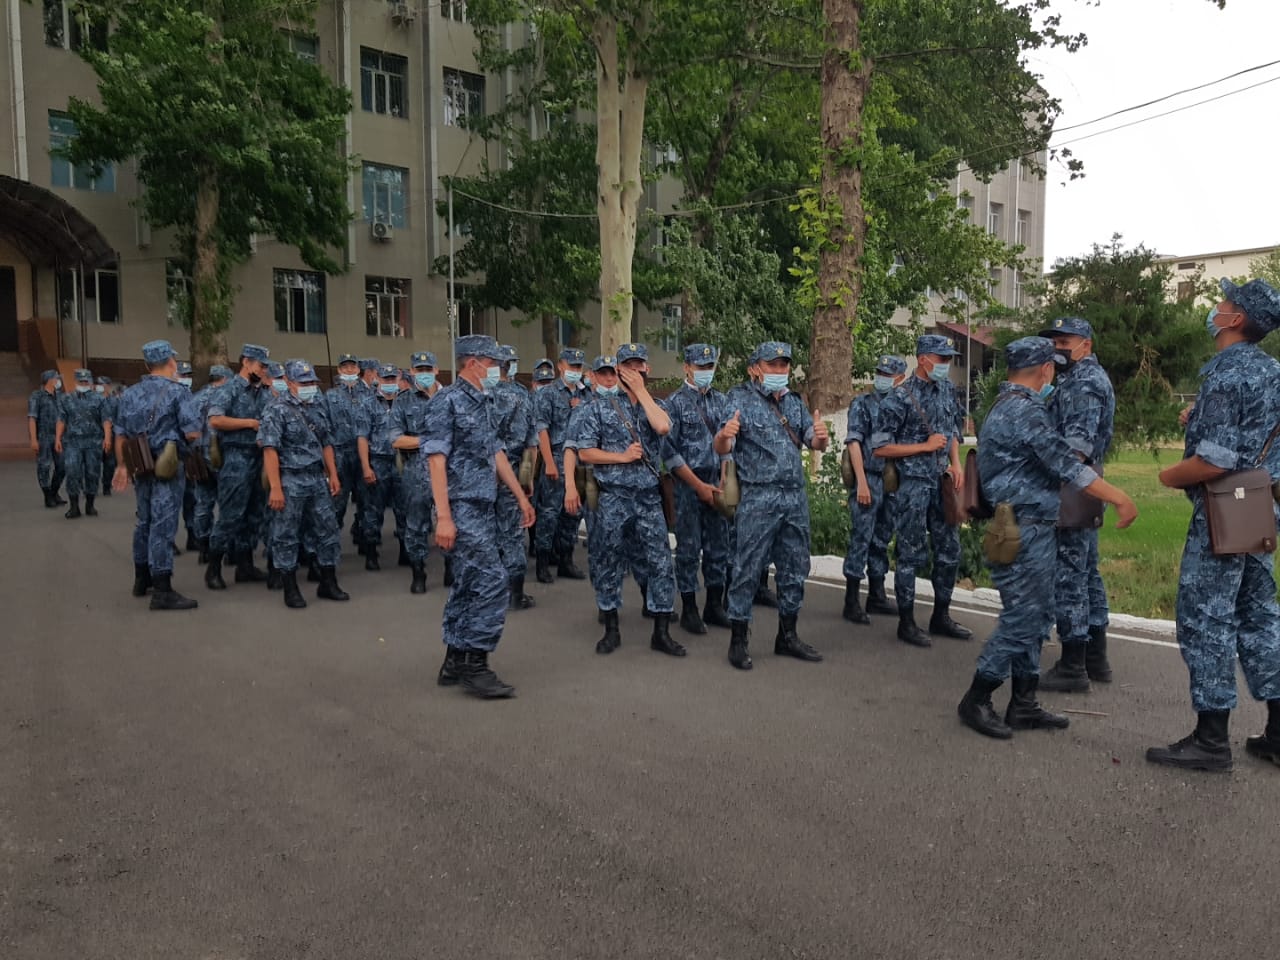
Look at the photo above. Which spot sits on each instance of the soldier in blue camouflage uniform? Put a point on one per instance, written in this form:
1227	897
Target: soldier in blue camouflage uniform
110	407
466	464
870	525
1024	461
513	413
83	432
544	372
920	425
383	488
1227	604
1083	409
408	424
303	480
185	377
42	427
235	412
344	400
159	407
765	428
557	531
207	492
702	533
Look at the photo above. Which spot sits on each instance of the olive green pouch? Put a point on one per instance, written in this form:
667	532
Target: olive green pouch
1003	539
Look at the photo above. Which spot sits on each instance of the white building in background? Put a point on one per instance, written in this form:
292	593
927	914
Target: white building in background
1188	270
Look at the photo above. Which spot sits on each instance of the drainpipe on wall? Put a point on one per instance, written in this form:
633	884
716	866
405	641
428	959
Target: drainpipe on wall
19	95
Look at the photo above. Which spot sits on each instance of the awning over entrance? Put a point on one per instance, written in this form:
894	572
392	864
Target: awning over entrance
48	230
983	335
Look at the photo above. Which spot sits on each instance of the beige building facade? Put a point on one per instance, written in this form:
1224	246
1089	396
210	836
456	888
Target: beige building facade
1189	271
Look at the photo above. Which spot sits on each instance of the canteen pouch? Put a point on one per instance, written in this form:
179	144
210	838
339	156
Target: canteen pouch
590	490
399	461
1240	510
975	503
891	476
196	469
580	480
846	469
953	512
1079	511
667	489
1003	539
137	457
167	462
215	451
528	469
729	495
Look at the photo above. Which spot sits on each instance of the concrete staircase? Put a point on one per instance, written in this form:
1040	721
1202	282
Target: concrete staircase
15	387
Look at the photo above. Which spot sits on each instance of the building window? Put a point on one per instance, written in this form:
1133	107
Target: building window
471	318
965	203
995	218
672	314
1186	291
1187	265
67	25
1023	236
64	173
179	291
564	330
997	275
299	301
386	307
304	47
454	10
1017	288
463	97
384	83
386	195
95	296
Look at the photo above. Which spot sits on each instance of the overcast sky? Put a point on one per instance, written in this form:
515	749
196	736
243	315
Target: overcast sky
1176	183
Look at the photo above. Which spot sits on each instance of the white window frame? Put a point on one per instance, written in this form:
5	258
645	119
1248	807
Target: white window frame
995	214
672	322
389	183
471	319
177	281
380	78
1023	228
61	14
311	53
61	169
464	95
383	306
312	285
455	10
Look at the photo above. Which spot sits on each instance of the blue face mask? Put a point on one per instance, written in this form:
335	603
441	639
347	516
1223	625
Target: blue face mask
425	381
773	382
940	372
307	392
349	378
513	368
279	386
185	381
702	378
1211	325
573	377
491	377
84	388
607	391
1046	391
389	389
883	384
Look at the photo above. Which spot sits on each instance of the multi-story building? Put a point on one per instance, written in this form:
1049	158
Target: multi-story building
413	77
1187	272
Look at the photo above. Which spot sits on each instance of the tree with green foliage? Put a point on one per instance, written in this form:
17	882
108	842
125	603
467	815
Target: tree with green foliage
233	135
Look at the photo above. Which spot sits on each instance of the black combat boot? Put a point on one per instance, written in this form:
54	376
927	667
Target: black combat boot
1068	674
941	624
567	568
713	611
73	511
1096	664
275	578
141	579
977	712
213	573
106	488
788	644
89	509
164	597
329	589
908	630
192	543
764	596
644	600
451	670
1024	711
371	557
246	572
661	639
480	681
544	573
1267	746
448	572
877	600
738	655
403	560
293	597
689	618
1207	748
204	551
419	584
612	639
57	498
519	599
313	568
49	500
852	605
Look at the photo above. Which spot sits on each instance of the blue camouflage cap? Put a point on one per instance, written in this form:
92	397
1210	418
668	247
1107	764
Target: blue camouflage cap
85	376
299	371
1069	326
388	371
891	365
936	344
47	376
544	371
771	350
477	345
158	351
605	362
633	351
509	353
275	369
1258	299
1030	352
369	363
219	372
422	360
701	354
573	356
105	381
347	358
184	368
255	352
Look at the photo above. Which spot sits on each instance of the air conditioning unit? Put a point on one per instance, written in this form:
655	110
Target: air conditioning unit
380	231
403	13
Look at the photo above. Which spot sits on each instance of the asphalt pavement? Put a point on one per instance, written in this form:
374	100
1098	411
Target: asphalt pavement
247	781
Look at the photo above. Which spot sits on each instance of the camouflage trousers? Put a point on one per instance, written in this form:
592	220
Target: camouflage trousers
630	530
307	518
772	524
1026	607
1081	595
82	460
159	504
241	502
347	460
511	542
476	610
388	491
415	485
556	531
206	500
702	539
870	528
49	466
919	516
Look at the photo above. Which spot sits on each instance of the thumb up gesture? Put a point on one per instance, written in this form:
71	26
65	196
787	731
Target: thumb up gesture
821	439
731	428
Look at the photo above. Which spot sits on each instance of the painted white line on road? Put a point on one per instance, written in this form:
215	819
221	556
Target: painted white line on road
992	614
